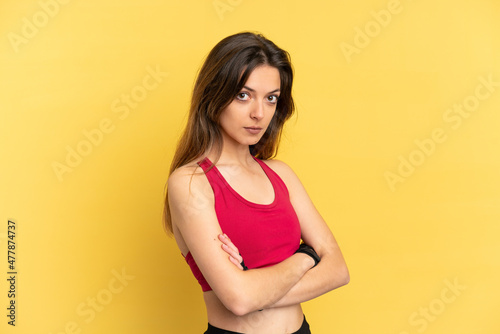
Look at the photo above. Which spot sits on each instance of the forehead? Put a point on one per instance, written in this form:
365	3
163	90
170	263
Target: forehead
264	78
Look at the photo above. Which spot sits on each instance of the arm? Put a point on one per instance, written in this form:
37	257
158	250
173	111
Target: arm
331	272
191	202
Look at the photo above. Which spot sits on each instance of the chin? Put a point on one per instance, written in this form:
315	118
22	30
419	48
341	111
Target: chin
254	142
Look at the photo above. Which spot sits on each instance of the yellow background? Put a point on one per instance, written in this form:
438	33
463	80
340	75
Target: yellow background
359	113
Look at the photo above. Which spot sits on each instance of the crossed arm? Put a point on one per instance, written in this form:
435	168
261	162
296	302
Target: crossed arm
289	282
331	272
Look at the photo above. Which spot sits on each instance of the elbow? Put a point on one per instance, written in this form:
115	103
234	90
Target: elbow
344	278
239	309
239	306
341	273
237	302
340	277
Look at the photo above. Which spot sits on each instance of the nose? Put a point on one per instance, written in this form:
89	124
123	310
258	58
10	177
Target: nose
257	112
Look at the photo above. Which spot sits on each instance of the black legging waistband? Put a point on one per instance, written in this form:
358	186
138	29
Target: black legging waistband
304	329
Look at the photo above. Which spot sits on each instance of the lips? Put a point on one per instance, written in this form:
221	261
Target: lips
253	129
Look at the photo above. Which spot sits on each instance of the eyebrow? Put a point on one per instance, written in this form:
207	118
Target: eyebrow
253	90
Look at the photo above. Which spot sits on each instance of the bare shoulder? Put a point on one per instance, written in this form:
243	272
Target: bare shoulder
283	170
186	181
179	176
279	166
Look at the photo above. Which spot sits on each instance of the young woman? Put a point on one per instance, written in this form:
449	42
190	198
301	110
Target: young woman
238	216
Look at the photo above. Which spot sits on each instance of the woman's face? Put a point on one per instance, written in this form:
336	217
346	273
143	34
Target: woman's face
246	119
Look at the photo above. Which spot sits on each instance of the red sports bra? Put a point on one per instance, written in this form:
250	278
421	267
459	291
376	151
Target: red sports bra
265	234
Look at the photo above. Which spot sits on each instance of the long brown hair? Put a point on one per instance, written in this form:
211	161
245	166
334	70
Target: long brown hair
222	76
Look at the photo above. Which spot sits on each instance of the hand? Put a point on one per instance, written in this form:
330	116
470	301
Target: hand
307	261
309	251
232	250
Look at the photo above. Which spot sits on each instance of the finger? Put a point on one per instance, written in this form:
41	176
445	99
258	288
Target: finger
235	262
225	239
231	252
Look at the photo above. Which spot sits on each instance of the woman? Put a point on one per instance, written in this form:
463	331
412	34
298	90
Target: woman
238	216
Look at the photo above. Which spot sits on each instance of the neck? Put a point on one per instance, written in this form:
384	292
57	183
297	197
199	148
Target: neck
232	154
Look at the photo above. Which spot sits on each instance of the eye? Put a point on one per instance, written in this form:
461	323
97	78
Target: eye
242	96
273	98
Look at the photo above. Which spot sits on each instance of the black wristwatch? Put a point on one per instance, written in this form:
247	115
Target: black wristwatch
306	249
243	265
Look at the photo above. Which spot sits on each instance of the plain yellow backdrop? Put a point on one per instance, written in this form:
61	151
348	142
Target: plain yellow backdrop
396	139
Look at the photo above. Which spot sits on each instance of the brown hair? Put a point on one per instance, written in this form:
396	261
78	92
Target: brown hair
222	76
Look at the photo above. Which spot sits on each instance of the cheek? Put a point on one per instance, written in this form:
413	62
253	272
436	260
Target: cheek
228	120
